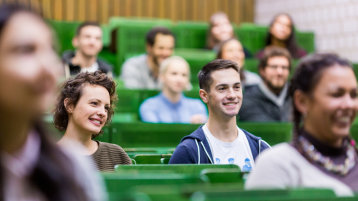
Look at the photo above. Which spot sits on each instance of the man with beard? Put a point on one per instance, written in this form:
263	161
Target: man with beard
141	72
269	101
88	43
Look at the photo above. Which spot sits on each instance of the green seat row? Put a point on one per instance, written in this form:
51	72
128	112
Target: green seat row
148	135
126	36
152	158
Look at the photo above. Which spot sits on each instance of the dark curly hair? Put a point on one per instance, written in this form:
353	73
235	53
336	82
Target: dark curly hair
72	90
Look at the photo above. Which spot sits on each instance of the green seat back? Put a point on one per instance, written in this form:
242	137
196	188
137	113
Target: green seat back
152	158
272	132
139	134
306	41
117	182
191	169
223	176
191	34
252	36
64	32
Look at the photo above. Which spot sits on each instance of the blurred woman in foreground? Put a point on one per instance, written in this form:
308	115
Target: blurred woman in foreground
32	167
322	153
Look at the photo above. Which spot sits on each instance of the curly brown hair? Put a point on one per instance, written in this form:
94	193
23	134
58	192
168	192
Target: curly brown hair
72	90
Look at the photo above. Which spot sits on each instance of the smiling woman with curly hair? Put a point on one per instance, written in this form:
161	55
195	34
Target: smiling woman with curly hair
84	106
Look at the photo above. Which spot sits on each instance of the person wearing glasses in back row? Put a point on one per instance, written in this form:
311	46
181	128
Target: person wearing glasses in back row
269	101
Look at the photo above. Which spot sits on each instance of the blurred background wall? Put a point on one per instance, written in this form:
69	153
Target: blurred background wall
334	22
176	10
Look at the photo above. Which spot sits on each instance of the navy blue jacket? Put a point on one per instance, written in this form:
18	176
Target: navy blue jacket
195	149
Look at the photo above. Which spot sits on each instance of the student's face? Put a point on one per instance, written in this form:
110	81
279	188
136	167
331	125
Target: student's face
176	77
225	96
281	28
91	111
89	41
331	108
275	74
233	51
29	66
221	29
162	48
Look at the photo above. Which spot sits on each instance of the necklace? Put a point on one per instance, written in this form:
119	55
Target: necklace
326	162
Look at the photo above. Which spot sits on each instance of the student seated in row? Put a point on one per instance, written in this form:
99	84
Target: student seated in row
142	72
269	101
88	44
220	140
171	106
84	106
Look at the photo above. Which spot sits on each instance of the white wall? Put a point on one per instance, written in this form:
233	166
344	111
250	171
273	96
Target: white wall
334	22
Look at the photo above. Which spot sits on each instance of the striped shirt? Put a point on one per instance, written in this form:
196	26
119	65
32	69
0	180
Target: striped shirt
108	155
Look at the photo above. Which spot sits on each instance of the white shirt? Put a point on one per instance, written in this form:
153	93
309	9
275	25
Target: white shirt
90	69
236	152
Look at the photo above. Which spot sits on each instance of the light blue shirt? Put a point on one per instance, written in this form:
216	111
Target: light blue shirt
159	109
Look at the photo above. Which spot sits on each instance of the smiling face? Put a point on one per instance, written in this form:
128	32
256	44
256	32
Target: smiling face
331	107
225	96
29	66
276	72
89	41
233	51
162	48
91	111
176	77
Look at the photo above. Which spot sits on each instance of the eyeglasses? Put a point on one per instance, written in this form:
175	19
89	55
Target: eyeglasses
275	67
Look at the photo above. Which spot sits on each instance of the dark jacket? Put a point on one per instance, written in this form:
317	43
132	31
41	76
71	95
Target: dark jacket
258	106
74	70
195	149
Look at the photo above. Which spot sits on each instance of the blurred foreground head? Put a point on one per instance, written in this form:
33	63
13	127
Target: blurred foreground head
29	65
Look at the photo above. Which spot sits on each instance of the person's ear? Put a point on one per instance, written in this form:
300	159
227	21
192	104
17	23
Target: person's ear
75	42
261	72
69	107
301	101
204	95
148	47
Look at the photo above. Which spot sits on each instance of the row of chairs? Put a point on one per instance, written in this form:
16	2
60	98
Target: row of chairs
197	183
125	37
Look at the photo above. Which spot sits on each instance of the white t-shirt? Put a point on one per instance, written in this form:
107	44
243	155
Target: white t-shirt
236	152
90	69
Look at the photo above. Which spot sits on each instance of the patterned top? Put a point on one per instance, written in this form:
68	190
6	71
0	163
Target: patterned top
108	155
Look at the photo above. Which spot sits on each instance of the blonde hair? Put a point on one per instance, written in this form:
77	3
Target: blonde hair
174	59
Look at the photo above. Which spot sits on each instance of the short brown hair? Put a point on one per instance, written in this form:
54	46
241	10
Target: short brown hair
204	75
72	89
270	52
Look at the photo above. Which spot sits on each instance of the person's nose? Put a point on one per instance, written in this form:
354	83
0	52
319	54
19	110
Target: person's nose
349	102
230	94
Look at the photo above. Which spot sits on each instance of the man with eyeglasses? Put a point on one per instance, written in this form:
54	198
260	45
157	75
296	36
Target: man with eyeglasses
268	101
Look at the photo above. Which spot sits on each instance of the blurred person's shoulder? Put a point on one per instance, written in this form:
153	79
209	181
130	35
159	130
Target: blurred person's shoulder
84	170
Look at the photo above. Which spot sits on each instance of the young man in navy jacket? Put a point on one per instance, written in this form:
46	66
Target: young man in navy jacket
220	140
